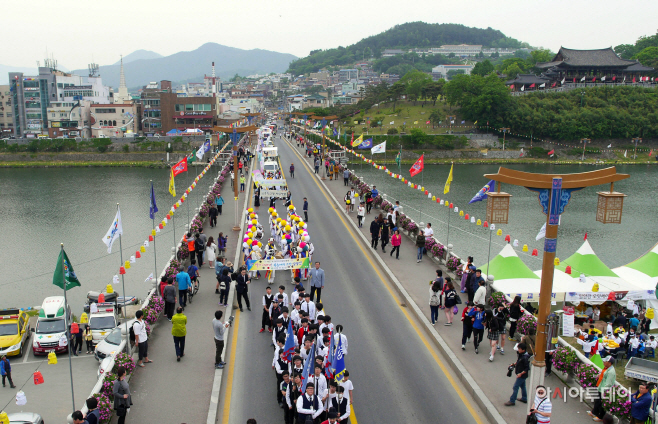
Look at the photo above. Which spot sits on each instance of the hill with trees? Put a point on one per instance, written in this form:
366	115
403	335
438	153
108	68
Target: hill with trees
404	36
645	50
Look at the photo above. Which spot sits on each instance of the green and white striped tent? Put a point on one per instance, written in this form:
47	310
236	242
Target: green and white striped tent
511	276
585	261
643	272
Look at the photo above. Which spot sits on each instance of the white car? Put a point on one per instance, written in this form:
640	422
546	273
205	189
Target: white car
25	418
109	345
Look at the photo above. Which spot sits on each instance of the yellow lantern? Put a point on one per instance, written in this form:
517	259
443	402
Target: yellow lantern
127	265
479	222
556	261
142	249
499	232
525	248
153	233
461	213
109	289
595	287
52	358
447	204
84	318
433	198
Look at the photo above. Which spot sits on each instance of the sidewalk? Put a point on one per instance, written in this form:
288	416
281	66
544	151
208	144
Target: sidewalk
168	391
491	376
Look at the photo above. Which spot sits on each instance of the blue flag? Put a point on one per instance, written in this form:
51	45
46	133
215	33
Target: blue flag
366	144
308	366
329	360
339	361
153	208
289	347
335	132
482	194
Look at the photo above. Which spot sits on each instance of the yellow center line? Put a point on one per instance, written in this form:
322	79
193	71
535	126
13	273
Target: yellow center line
231	370
426	342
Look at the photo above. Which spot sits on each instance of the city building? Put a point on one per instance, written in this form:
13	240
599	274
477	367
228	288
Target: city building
6	112
345	75
441	71
187	112
113	119
69	119
149	107
392	52
122	96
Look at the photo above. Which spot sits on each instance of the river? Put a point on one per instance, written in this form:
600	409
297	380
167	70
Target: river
43	207
615	244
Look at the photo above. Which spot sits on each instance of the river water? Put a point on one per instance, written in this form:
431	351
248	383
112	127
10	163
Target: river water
43	207
615	244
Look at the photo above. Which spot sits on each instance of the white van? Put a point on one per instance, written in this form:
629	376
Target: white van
51	327
270	166
102	321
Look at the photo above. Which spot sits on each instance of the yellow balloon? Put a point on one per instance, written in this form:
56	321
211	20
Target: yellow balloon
250	234
253	221
525	248
260	244
556	261
479	222
499	232
142	249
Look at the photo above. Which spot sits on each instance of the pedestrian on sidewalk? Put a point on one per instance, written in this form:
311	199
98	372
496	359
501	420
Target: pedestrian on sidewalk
200	247
450	296
348	200
493	333
141	338
89	339
219	327
375	229
243	181
187	238
465	272
384	234
501	313
121	393
169	296
224	284
242	288
317	165
336	172
211	252
179	331
184	283
360	213
467	324
5	371
232	180
477	317
346	176
93	415
521	370
480	296
369	200
396	241
76	335
193	272
354	197
317	280
420	245
221	243
219	201
474	285
212	213
305	209
292	170
514	315
605	383
435	300
542	406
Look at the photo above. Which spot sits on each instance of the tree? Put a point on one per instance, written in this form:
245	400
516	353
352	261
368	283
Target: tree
414	82
482	68
480	98
396	91
418	137
435	118
626	51
540	55
512	71
648	57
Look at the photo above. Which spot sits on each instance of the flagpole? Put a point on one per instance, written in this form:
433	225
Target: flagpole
155	257
422	185
123	285
187	200
448	235
66	324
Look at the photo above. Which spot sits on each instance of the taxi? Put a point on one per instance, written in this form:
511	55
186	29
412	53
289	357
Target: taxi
14	331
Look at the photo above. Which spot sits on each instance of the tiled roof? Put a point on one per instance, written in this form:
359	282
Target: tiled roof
583	58
528	79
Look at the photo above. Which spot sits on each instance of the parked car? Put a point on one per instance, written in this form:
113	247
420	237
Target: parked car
25	418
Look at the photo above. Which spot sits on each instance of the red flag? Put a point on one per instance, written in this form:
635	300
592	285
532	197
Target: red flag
352	138
594	79
427	122
633	79
417	167
554	84
180	167
650	152
551	152
585	236
574	80
614	78
532	85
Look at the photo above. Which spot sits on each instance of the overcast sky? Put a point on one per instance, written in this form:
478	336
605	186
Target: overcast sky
80	32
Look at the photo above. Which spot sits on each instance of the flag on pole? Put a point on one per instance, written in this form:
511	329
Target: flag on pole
609	145
64	276
192	157
180	167
582	79
113	233
482	194
380	148
585	238
415	122
308	366
542	232
532	85
427	122
625	151
335	133
357	141
339	361
551	153
289	347
391	123
172	185
153	207
521	153
203	149
523	88
602	78
542	85
329	359
352	141
398	158
446	189
418	166
563	80
366	144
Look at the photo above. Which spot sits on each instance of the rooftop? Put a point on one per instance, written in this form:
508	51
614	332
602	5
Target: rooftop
581	58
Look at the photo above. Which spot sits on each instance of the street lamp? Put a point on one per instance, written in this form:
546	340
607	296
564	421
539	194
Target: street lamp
555	192
584	141
636	140
504	130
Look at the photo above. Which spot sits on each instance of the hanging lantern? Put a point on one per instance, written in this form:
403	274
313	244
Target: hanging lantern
479	222
535	252
568	269
151	236
461	213
485	224
441	202
516	243
466	217
122	270
507	237
138	254
499	232
610	206
52	358
595	287
126	265
557	261
160	226
451	206
434	198
168	216
525	248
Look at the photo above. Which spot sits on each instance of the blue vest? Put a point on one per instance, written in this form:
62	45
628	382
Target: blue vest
307	405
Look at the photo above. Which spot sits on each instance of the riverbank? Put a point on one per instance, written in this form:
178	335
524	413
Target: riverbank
483	161
87	159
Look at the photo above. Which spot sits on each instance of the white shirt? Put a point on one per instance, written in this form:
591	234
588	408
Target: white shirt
480	296
300	406
293	297
320	384
651	344
310	308
294	316
345	416
361	211
343	340
140	331
348	386
429	232
285	299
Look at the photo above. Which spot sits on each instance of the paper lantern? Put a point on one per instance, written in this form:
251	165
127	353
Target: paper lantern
138	255
122	270
151	236
38	378
168	216
568	269
441	202
427	192
84	318
507	237
515	243
461	213
595	287
525	248
556	261
610	206
451	206
479	222
125	265
456	209
499	232
101	298
535	252
109	289
4	418
52	358
472	220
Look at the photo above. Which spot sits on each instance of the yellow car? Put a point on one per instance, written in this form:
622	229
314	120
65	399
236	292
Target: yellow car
14	331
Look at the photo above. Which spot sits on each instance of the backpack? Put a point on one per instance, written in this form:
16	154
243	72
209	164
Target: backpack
198	245
131	333
434	299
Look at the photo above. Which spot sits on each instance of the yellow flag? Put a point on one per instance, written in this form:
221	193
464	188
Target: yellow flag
446	189
415	122
172	186
357	141
475	123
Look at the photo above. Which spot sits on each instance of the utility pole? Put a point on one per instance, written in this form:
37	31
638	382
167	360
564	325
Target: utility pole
504	130
636	140
584	141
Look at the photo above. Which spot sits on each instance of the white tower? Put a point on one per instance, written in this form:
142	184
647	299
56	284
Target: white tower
122	96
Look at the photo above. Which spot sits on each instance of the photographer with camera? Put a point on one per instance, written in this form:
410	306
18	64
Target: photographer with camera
521	368
219	327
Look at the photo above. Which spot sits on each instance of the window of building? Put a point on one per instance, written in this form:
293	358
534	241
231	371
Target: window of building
60	85
123	122
31	84
105	110
9	115
2	115
114	123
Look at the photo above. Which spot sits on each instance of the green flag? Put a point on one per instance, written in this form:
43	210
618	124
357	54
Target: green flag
191	158
397	159
64	273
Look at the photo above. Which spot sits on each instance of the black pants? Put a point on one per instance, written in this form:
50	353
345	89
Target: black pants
169	309
373	243
549	362
313	290
199	257
598	410
360	220
219	207
143	350
478	333
512	328
223	296
384	243
179	344
467	330
122	420
213	220
345	180
279	395
305	216
244	296
182	297
265	321
368	207
288	414
8	377
90	345
292	174
77	345
470	294
396	249
219	348
317	168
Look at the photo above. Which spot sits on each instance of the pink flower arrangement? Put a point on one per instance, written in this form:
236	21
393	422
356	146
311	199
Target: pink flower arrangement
565	360
453	263
527	325
497	299
438	250
124	360
587	375
105	406
412	227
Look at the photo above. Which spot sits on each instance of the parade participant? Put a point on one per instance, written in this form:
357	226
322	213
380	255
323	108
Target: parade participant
242	288
341	404
309	307
292	170
268	297
308	405
305	209
361	213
